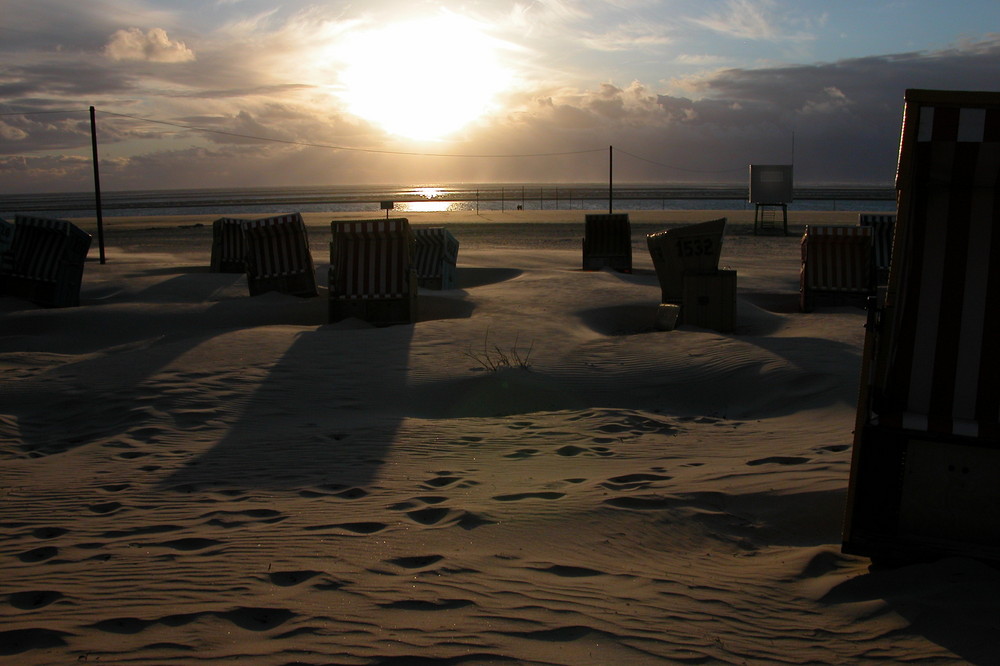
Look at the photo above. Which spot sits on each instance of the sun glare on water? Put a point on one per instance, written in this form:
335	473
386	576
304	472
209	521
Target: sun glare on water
422	79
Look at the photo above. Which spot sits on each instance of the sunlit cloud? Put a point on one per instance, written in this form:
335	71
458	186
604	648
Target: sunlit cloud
151	46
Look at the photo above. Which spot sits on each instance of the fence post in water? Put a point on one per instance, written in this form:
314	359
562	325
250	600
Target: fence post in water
97	186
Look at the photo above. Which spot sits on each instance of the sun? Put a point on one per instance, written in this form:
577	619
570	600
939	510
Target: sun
423	78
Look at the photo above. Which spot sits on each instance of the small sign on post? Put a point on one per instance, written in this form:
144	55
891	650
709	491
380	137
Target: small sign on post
387	206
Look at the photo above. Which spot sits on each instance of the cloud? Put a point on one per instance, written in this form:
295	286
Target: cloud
150	46
742	19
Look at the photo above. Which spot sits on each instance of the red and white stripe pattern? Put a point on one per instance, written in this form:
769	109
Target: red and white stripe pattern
881	226
277	247
371	259
435	248
943	320
837	259
41	247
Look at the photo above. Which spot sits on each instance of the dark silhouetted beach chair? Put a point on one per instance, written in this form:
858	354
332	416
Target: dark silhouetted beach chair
925	470
689	250
436	258
607	242
278	257
45	260
229	248
372	276
836	264
881	226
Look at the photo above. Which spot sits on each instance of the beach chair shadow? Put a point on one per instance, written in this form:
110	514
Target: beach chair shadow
372	275
837	265
607	242
926	458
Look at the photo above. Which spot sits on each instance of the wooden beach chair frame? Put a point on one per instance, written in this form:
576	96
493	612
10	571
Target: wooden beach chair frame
607	242
436	256
925	469
372	276
881	225
837	264
45	261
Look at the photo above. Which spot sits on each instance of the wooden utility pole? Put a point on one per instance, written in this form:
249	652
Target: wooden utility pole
97	186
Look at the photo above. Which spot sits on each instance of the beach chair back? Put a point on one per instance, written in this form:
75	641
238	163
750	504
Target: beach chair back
278	257
607	242
837	259
925	475
436	256
689	250
229	248
371	271
46	261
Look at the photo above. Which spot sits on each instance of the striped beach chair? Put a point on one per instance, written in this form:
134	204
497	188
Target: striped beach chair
278	257
372	276
45	261
607	243
229	248
688	250
836	263
436	257
925	471
881	226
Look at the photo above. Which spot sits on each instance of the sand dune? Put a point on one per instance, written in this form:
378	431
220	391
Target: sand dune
193	475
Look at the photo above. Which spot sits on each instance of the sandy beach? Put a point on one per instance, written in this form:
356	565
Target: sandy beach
192	475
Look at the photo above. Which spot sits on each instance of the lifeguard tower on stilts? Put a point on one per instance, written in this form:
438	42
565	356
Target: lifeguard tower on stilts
770	192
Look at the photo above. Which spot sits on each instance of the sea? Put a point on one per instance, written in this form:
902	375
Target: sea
435	198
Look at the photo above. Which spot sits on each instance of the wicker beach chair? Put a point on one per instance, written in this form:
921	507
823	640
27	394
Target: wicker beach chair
371	271
436	258
45	260
836	263
881	226
229	247
278	257
607	242
925	471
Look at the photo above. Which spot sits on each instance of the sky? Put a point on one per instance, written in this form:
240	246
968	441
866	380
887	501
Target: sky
233	93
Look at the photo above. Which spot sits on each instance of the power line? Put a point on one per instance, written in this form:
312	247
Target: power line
349	148
677	168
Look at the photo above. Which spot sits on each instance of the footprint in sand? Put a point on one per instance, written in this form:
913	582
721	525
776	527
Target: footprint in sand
188	544
570	450
358	528
522	453
291	578
34	599
38	554
633	481
48	532
417	501
564	571
257	619
105	508
415	562
651	503
418	605
779	460
517	497
444	517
